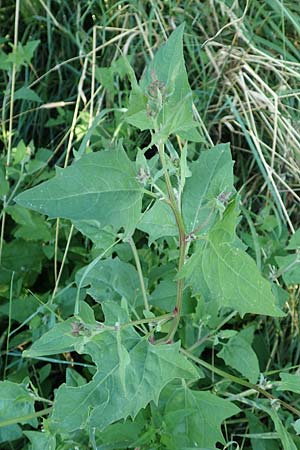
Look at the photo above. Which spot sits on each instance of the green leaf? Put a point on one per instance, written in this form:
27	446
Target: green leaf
23	54
221	271
105	76
289	268
4	185
289	382
164	99
131	372
284	435
24	258
164	297
32	226
101	237
260	436
60	339
4	62
15	401
194	418
111	279
25	93
158	222
238	354
41	440
100	186
21	308
212	177
294	242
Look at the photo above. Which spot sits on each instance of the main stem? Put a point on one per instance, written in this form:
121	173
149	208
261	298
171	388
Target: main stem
182	241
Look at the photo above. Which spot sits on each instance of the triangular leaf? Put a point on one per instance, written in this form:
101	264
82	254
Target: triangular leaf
289	382
25	93
100	186
130	371
164	98
223	272
212	178
238	354
194	418
111	279
158	222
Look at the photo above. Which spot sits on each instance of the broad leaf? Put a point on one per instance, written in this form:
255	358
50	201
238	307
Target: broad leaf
211	181
294	242
289	382
194	418
158	222
32	226
221	271
238	354
131	372
164	98
111	279
289	268
100	186
15	402
25	93
164	296
41	440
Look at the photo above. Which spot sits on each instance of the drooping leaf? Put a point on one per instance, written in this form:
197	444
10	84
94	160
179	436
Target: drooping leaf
158	222
111	279
212	178
238	354
100	186
289	382
131	372
221	271
194	418
163	98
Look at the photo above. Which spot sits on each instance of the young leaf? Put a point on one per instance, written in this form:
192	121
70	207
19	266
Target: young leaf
221	271
164	98
238	354
22	54
212	177
194	418
100	186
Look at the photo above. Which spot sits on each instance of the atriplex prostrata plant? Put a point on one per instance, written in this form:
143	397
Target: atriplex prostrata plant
190	203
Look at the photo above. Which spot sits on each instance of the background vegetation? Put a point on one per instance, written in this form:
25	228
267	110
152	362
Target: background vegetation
64	87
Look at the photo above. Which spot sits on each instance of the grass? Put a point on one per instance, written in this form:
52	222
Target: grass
243	61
